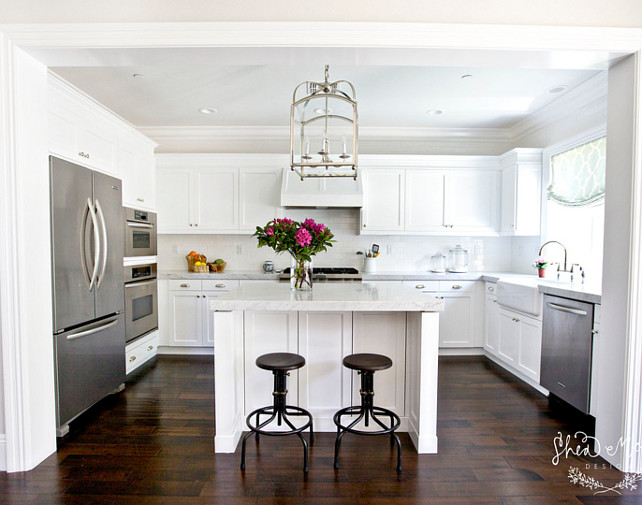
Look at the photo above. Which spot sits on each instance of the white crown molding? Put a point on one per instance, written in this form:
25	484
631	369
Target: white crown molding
591	93
323	34
282	133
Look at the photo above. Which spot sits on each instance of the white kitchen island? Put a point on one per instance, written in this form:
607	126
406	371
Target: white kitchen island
324	325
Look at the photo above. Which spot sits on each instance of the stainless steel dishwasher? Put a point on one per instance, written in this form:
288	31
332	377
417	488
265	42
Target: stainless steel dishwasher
567	343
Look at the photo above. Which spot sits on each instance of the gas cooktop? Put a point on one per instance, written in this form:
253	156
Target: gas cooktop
328	274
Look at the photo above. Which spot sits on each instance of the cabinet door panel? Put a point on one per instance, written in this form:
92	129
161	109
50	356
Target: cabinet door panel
208	327
325	338
508	338
173	189
491	329
508	199
383	200
530	347
471	201
424	201
265	332
260	192
216	193
186	325
455	322
382	333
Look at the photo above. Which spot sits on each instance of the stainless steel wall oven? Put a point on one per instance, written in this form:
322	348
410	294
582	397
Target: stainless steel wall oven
140	233
141	300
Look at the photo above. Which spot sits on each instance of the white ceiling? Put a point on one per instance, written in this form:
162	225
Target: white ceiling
253	87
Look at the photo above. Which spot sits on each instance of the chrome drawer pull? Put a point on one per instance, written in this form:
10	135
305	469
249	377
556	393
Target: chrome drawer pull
133	358
560	384
150	348
185	285
456	286
220	285
491	288
420	286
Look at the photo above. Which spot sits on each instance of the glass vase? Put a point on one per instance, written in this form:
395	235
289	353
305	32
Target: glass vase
300	274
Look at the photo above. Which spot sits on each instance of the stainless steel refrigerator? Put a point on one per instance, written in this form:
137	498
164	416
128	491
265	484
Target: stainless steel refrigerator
88	298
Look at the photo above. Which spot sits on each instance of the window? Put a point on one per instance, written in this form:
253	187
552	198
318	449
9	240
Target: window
575	203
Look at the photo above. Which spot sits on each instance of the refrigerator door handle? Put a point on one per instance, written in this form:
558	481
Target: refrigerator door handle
94	220
103	227
83	243
74	336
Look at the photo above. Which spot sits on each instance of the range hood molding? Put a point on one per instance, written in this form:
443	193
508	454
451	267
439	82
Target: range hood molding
326	192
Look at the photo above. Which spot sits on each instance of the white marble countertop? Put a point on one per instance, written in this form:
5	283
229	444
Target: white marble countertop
588	292
349	296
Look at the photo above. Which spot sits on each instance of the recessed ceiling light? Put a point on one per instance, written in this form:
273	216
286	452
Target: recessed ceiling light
466	76
558	89
207	110
138	76
434	112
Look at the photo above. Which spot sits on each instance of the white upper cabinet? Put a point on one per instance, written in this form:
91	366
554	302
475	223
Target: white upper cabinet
84	132
212	193
431	195
425	201
383	208
521	192
138	171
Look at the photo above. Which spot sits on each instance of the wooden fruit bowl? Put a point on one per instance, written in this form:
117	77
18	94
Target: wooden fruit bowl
217	267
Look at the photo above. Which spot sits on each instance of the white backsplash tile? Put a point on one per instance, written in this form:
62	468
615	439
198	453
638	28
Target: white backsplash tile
408	253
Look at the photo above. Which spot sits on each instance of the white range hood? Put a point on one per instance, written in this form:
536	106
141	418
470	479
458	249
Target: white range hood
320	191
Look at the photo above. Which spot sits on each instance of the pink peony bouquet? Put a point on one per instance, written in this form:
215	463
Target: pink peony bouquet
301	240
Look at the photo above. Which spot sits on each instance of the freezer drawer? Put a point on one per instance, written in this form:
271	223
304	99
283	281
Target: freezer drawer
567	343
90	363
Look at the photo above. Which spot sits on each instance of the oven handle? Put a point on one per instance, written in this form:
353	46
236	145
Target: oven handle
139	225
141	283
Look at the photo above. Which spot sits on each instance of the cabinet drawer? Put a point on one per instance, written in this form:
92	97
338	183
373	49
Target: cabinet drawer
185	285
141	351
456	286
220	285
424	286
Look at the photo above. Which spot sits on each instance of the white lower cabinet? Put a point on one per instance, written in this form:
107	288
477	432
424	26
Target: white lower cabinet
491	321
266	332
520	342
188	314
141	351
382	333
325	338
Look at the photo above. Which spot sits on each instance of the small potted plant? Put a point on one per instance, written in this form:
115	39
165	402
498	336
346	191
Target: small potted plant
541	264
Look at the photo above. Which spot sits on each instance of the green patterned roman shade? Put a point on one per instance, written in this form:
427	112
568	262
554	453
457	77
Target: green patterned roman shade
578	175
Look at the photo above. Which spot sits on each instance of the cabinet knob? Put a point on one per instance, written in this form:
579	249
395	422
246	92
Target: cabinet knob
494	301
132	358
440	297
364	225
150	348
594	332
198	296
185	285
83	154
456	286
515	320
196	224
420	286
220	285
491	288
191	224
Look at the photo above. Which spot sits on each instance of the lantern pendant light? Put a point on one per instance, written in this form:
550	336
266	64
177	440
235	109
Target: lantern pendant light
323	129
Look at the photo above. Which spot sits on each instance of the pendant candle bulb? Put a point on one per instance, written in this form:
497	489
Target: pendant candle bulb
327	114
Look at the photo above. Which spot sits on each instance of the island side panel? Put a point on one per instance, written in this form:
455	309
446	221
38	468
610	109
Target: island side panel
229	380
422	372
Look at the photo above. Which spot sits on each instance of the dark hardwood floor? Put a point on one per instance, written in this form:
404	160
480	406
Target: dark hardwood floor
154	443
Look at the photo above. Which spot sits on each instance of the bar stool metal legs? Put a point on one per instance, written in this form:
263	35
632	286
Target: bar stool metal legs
280	412
367	412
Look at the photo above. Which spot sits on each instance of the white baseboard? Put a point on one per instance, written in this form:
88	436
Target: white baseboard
166	349
3	452
517	373
461	351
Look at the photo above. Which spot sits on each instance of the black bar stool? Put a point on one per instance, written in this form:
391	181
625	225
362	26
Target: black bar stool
279	363
367	365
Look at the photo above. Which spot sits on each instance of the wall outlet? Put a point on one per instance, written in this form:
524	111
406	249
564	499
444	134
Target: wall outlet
175	249
389	249
239	249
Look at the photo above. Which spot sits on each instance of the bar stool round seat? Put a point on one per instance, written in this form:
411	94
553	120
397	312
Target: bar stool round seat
367	364
279	363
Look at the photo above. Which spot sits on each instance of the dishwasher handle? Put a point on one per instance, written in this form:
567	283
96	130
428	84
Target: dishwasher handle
564	308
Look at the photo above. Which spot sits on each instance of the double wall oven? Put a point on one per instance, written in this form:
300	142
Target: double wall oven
141	290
